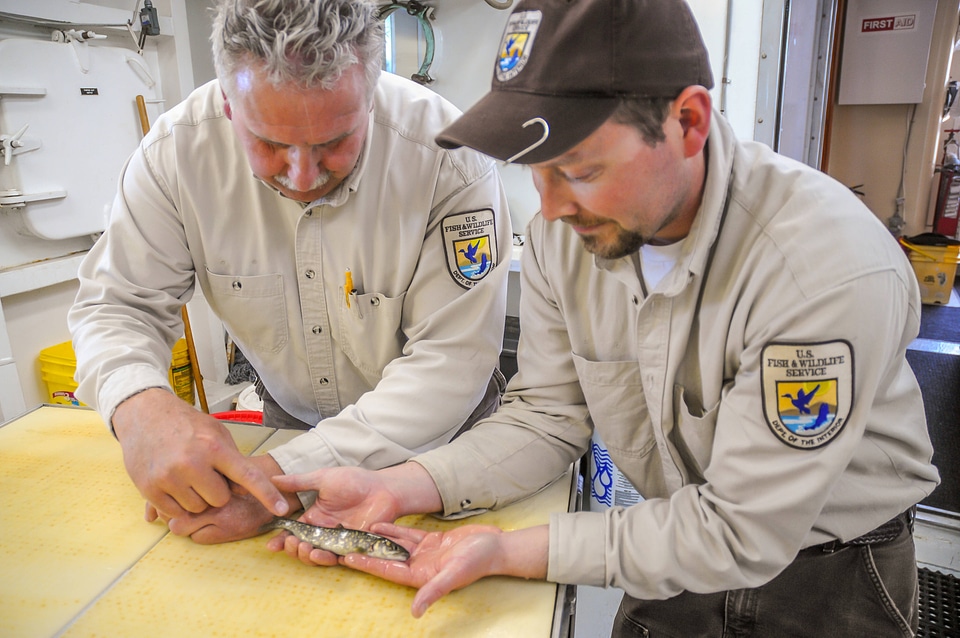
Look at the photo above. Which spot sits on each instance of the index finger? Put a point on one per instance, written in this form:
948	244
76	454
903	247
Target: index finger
398	532
307	553
298	482
247	475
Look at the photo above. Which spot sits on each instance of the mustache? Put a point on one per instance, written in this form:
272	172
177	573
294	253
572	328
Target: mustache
582	221
319	182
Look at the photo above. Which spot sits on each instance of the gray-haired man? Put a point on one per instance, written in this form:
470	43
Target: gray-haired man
353	260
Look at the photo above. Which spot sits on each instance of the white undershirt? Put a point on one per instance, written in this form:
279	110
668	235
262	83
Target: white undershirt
657	261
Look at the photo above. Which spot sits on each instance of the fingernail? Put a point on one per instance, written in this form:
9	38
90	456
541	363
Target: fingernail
282	507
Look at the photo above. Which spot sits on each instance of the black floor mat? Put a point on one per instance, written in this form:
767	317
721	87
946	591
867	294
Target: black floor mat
940	323
939	376
939	614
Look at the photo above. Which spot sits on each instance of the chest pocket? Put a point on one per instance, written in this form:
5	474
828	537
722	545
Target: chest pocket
370	332
258	300
615	399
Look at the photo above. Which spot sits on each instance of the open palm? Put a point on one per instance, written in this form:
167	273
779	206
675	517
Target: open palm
440	562
348	496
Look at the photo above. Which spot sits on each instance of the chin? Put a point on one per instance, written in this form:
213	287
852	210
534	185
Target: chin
306	196
613	249
298	196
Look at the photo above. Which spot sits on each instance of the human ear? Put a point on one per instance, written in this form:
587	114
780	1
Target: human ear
693	109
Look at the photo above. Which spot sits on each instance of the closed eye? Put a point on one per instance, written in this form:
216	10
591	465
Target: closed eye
272	146
581	176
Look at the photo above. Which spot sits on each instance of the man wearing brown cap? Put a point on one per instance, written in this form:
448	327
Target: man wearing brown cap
731	322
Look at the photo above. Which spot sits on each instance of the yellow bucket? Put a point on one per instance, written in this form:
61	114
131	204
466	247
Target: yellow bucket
936	268
57	367
58	364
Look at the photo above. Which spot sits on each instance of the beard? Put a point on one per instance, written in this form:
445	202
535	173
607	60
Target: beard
623	243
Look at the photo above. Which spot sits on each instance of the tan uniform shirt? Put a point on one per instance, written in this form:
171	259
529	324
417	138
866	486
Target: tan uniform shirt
396	372
786	283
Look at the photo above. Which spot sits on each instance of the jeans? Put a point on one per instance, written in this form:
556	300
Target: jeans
866	591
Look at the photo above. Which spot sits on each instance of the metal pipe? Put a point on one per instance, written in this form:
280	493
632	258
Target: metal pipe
725	71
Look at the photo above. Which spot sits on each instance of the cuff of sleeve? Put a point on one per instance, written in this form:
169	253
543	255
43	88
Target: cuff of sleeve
577	549
460	498
305	453
123	384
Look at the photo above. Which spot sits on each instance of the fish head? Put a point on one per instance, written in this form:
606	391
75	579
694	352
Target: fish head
388	550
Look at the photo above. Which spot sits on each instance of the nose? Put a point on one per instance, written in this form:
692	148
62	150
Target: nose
555	200
303	166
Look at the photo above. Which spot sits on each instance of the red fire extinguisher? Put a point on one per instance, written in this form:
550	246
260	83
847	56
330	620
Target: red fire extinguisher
948	195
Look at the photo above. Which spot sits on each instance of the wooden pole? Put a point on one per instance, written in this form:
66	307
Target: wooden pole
187	332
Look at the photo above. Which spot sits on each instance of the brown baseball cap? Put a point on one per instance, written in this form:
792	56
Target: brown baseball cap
564	65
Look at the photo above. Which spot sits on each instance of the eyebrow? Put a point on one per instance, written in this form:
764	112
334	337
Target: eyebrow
567	158
328	143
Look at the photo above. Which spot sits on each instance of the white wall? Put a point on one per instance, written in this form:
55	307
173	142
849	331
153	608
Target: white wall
37	319
38	276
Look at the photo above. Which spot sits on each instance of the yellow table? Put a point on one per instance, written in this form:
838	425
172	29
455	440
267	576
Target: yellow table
77	559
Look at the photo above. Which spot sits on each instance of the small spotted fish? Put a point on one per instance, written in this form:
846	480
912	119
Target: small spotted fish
343	541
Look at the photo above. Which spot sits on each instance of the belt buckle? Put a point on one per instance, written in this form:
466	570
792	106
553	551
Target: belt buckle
831	547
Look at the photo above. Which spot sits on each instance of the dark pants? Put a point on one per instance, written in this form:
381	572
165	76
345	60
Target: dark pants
856	591
276	417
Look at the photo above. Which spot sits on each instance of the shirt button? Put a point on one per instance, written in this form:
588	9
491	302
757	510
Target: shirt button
310	274
317	330
375	301
309	213
237	285
324	381
635	300
465	503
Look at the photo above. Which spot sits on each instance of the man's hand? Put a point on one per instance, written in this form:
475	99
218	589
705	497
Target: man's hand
356	498
441	562
348	496
242	517
182	460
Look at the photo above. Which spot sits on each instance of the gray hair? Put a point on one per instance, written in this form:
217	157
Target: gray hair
305	42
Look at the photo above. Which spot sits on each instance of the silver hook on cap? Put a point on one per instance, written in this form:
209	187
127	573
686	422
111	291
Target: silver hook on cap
543	138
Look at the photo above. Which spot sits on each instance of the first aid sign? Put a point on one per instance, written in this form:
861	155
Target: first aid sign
895	23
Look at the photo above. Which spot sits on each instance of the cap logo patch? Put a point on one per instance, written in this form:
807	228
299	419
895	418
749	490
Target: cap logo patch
807	391
470	244
517	43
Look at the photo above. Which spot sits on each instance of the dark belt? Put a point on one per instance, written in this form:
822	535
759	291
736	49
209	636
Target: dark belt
883	534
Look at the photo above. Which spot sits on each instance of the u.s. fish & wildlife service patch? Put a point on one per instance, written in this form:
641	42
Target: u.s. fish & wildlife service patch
470	244
807	391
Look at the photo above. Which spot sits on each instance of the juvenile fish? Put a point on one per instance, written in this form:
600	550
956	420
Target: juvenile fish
343	541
